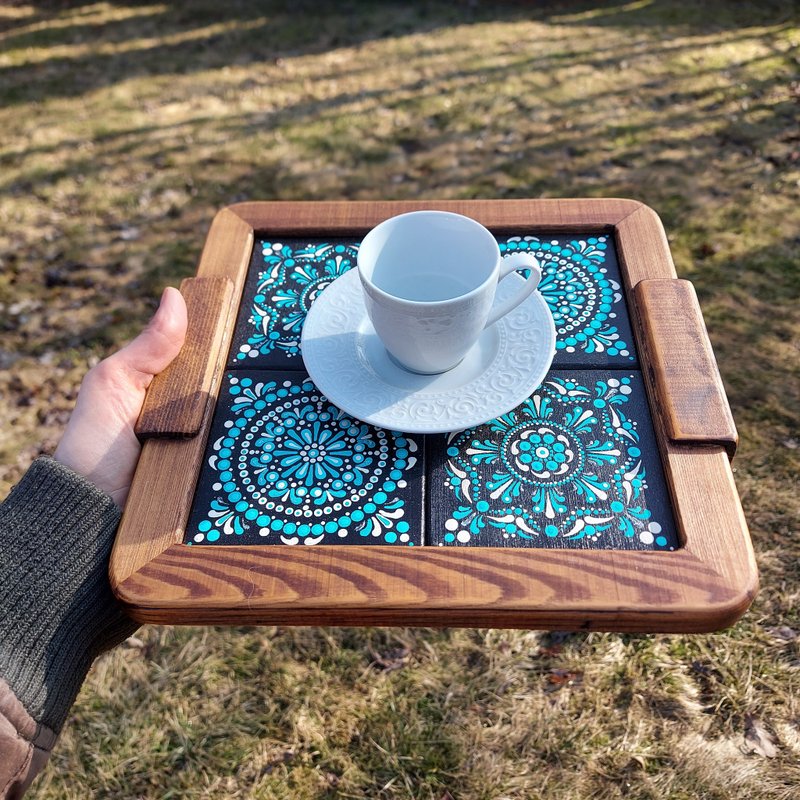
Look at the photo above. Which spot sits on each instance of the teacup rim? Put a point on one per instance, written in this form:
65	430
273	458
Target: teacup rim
382	293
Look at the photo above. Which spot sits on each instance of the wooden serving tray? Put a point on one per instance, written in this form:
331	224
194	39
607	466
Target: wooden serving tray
173	562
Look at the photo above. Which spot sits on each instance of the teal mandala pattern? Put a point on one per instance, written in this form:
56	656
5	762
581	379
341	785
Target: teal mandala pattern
289	467
579	282
580	293
288	281
565	466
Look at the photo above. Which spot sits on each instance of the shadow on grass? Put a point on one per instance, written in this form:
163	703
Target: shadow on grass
66	49
545	141
673	102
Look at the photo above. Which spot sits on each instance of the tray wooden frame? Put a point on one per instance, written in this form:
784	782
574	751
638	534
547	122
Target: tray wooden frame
705	585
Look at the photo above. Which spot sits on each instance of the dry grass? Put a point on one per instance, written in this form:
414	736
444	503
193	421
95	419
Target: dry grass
126	125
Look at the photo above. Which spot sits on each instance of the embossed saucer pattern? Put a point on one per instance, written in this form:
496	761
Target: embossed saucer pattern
349	364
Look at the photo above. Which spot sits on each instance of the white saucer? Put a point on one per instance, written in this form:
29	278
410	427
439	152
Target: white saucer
350	366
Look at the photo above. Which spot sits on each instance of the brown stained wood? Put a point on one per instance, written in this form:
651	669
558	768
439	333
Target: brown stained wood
227	249
177	399
158	503
705	585
297	218
689	395
160	497
709	513
642	247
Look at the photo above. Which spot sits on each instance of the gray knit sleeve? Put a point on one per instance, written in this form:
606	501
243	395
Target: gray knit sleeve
57	611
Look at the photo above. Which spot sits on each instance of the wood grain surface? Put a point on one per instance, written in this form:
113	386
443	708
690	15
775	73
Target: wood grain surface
357	217
642	247
178	397
161	493
690	398
705	585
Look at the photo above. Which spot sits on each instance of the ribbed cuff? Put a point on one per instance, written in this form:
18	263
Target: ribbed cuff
57	611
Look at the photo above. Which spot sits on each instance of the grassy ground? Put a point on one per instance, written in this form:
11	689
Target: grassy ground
126	125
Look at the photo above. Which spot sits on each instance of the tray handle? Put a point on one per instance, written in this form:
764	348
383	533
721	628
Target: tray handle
178	399
689	396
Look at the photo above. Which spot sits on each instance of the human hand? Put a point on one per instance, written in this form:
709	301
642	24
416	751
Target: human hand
99	442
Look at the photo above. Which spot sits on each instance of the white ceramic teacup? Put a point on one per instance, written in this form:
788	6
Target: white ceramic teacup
429	281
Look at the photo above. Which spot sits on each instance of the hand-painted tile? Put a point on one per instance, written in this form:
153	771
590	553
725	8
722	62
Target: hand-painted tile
581	284
285	466
283	280
574	466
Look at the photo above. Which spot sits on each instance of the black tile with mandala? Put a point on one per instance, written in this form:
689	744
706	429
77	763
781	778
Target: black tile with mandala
285	466
574	466
581	284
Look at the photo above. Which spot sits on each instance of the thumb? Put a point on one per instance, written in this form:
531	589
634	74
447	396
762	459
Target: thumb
158	344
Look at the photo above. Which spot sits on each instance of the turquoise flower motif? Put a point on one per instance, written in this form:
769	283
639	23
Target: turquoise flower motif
311	455
287	286
575	283
578	291
564	464
292	467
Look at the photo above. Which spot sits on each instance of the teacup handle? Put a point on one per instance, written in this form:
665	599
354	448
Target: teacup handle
512	263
